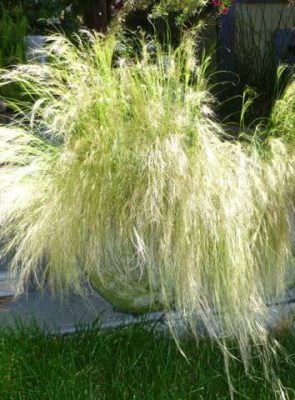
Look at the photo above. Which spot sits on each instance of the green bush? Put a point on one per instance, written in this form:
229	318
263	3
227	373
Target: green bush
184	8
164	17
13	28
43	16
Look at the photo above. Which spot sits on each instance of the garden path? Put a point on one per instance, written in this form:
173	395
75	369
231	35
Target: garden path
63	314
58	313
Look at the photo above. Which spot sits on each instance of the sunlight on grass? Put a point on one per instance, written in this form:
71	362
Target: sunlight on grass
129	363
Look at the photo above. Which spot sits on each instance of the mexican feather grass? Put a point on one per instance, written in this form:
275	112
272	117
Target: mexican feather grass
115	172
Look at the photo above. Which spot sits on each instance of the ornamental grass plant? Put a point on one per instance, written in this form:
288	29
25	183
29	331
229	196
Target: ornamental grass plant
115	172
282	118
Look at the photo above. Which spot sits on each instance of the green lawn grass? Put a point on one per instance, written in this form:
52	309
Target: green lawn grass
127	363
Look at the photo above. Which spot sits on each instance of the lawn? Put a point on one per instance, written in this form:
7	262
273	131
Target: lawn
127	363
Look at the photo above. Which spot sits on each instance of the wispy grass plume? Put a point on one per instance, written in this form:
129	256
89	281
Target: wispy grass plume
120	176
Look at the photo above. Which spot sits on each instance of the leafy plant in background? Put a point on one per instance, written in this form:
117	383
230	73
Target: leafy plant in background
19	18
13	28
162	8
163	20
223	5
43	15
185	9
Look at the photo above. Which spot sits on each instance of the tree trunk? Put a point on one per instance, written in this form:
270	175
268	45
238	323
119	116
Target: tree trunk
96	15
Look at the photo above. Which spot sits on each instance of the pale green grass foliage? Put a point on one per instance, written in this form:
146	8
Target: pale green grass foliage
138	192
